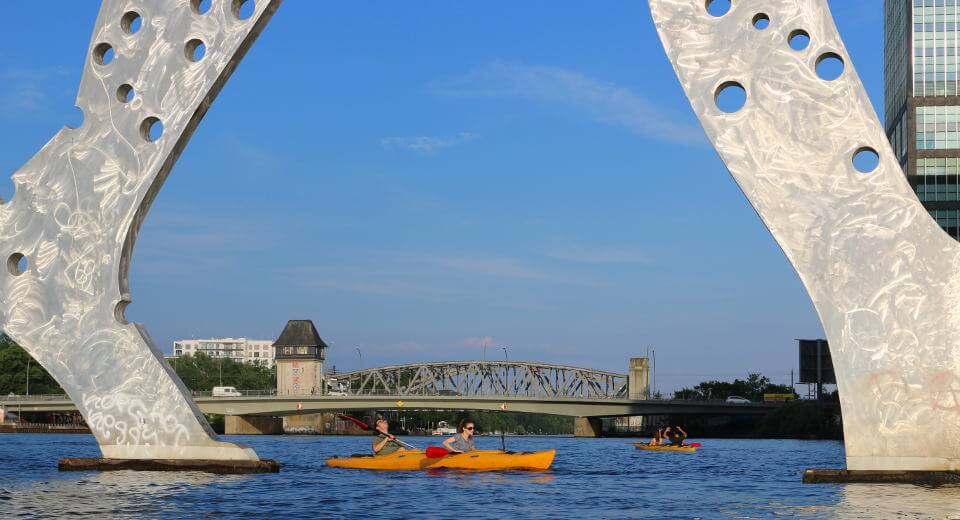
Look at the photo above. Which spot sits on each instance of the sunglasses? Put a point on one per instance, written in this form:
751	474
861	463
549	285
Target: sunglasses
468	428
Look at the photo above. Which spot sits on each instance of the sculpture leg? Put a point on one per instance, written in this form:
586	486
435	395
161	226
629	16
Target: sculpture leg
882	275
152	70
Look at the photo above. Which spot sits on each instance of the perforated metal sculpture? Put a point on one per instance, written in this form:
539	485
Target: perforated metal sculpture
884	278
153	68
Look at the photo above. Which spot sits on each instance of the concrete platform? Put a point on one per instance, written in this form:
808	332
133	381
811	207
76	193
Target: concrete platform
845	476
222	467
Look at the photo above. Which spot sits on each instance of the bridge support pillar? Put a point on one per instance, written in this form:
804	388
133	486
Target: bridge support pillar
252	425
587	427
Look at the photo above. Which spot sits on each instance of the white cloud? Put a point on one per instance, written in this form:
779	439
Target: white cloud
598	254
478	341
426	145
603	101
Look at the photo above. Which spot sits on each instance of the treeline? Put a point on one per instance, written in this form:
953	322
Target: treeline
753	389
14	362
200	372
485	421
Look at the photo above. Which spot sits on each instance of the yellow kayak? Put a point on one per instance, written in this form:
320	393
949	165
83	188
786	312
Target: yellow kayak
647	447
482	460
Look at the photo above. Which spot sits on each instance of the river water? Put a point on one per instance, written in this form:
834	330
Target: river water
590	478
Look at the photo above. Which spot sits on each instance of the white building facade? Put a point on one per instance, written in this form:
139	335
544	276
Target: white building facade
242	350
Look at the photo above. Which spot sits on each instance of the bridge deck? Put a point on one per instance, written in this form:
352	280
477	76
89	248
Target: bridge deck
282	405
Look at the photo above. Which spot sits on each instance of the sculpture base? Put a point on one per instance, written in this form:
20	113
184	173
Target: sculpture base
878	476
209	466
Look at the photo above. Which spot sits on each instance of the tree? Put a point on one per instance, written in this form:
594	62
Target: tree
752	388
200	372
13	371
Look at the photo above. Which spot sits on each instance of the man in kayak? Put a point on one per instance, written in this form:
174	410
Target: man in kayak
384	443
678	436
462	442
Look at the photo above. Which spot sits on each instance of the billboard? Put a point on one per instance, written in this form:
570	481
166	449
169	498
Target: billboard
810	349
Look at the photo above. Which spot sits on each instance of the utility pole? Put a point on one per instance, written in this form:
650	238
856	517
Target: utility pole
28	375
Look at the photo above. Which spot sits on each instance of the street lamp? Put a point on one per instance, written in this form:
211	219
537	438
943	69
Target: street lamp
360	355
506	368
28	375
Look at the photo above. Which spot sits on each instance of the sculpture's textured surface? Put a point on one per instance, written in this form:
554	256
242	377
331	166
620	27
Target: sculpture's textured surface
884	278
80	201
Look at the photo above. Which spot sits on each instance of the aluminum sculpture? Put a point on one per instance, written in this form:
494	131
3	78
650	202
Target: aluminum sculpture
153	68
884	278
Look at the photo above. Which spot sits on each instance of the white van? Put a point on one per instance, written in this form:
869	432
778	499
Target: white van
226	391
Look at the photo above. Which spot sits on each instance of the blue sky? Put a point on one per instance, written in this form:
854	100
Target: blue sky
420	179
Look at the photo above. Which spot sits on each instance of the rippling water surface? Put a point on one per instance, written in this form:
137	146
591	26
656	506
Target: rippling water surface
591	478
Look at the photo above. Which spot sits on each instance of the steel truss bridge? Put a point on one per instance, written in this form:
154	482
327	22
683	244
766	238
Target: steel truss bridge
455	385
485	379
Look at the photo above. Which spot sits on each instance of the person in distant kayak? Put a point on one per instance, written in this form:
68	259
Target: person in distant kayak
384	443
678	436
657	438
462	442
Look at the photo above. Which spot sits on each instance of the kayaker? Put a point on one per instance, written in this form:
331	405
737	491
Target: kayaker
462	442
384	443
657	438
678	436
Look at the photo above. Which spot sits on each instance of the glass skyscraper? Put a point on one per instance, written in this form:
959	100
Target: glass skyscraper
921	39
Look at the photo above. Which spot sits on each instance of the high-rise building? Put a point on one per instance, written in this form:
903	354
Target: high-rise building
921	39
242	350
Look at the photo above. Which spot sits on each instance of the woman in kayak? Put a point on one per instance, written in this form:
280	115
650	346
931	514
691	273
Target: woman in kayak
462	442
384	443
658	438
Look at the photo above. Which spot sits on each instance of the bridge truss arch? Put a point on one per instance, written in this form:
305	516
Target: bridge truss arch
484	379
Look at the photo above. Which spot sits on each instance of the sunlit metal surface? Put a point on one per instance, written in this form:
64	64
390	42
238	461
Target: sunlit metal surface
79	203
485	379
883	276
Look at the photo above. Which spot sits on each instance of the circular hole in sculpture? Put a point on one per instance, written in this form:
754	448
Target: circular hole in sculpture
103	53
120	311
131	22
151	129
866	159
17	264
125	93
798	39
243	9
829	66
718	7
200	6
74	118
730	97
195	50
761	21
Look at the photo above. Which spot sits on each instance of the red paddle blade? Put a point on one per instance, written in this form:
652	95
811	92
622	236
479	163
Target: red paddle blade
354	420
436	452
694	445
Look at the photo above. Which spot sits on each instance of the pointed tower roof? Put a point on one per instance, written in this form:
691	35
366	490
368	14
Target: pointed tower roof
299	333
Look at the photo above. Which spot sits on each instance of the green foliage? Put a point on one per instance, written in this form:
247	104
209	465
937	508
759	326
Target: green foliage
13	372
753	389
799	418
486	421
201	372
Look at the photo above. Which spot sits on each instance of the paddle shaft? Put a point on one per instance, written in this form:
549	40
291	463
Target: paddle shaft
366	426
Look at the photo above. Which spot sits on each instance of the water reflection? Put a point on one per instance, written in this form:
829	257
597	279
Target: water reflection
97	493
888	500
